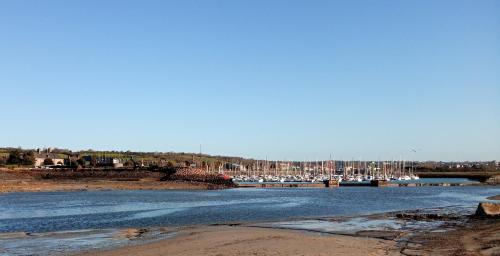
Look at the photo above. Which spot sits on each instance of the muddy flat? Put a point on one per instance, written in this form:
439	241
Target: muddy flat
229	240
7	186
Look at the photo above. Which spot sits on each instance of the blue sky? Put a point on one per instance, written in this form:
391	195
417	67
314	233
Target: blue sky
283	79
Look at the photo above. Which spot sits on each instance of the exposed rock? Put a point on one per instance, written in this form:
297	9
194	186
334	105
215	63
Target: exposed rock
493	180
425	216
487	209
380	234
497	197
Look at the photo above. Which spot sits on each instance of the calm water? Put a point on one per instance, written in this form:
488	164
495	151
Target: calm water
43	212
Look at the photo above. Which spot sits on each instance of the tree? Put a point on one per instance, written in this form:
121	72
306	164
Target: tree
170	164
29	158
73	162
14	157
80	162
131	163
93	161
18	157
48	161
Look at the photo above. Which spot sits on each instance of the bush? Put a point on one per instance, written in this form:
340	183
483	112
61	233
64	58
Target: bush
48	161
14	157
19	157
29	158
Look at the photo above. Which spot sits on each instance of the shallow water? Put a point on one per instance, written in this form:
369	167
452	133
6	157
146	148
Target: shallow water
58	242
48	212
349	226
67	242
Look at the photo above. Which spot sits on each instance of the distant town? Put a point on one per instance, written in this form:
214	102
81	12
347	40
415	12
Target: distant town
55	158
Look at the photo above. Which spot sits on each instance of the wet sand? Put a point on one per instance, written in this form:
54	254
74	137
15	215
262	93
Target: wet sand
236	240
483	238
497	197
428	235
478	237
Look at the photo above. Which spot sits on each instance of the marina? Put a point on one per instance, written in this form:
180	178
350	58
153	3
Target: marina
373	183
329	172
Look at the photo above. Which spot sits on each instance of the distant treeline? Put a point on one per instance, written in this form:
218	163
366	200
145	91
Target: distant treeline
26	157
135	160
485	167
16	157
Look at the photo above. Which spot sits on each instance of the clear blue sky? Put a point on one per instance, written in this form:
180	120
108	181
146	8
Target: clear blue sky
284	79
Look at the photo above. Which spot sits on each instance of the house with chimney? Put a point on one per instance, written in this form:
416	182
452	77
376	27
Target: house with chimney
42	155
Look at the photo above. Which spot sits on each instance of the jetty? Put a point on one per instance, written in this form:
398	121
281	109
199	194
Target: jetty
334	183
281	185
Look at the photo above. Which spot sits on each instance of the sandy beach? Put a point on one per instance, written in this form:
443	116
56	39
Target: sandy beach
229	240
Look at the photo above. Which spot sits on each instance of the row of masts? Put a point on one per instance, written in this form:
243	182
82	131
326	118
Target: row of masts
325	169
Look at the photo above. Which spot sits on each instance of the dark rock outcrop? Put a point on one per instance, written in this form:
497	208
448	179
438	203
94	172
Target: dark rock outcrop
493	180
487	209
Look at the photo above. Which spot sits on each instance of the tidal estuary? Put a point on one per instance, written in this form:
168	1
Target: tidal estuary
61	222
